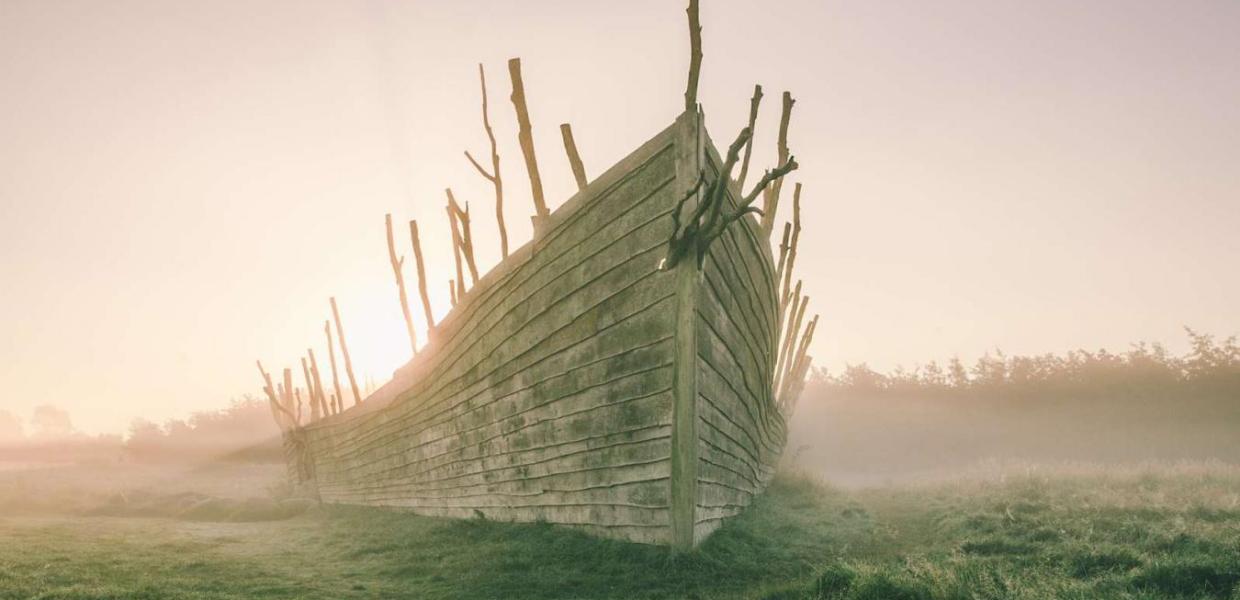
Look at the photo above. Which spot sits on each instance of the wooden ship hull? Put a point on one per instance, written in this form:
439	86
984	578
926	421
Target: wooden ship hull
578	383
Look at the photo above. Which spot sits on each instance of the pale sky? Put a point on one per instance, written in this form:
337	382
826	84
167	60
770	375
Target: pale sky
183	184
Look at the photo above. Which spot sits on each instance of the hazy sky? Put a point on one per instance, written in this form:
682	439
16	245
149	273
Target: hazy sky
183	184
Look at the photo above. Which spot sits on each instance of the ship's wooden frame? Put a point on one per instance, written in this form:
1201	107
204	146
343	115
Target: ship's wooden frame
577	383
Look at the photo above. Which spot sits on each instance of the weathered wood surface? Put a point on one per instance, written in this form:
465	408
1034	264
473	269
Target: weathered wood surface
741	433
548	393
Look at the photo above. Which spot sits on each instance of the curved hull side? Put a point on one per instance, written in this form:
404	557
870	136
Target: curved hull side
547	392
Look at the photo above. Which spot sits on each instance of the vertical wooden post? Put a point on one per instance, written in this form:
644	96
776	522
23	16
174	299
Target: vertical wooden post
779	276
283	421
318	385
770	199
783	255
417	258
493	176
456	252
786	339
574	159
344	351
397	268
753	121
684	459
452	291
794	330
288	393
316	411
331	355
792	248
695	56
526	137
796	374
466	236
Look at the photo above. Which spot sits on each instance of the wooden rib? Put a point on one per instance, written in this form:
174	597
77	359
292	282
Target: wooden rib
456	251
283	418
452	290
787	397
753	120
344	351
574	159
417	259
794	331
792	250
695	56
287	393
466	237
494	176
786	340
316	411
331	355
397	270
318	384
526	138
783	254
770	202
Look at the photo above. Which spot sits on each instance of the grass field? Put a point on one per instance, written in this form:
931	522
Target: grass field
1154	532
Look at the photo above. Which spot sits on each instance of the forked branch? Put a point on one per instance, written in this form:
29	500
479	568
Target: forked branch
494	176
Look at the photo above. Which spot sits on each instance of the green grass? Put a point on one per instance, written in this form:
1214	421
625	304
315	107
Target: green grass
1160	533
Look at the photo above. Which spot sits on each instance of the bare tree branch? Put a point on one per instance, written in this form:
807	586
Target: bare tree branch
494	176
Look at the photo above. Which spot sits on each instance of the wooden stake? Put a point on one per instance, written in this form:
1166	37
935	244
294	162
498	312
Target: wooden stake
316	411
526	137
466	237
779	276
783	255
493	176
287	394
574	159
344	351
695	55
452	291
794	331
297	400
397	268
417	259
753	121
796	375
786	340
792	250
318	385
284	419
456	251
771	198
331	355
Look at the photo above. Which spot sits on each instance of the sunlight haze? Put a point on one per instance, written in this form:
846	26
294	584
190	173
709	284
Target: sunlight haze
183	185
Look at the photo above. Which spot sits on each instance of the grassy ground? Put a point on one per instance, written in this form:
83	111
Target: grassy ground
1141	533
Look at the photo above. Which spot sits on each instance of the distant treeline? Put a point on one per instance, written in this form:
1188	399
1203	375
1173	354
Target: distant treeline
1209	367
216	434
861	426
243	430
